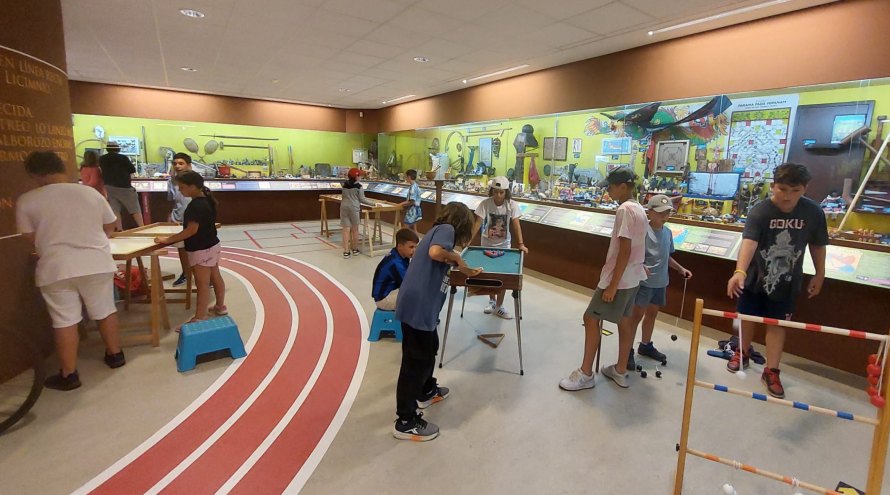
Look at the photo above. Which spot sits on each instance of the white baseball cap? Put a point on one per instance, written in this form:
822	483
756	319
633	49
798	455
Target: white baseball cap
500	183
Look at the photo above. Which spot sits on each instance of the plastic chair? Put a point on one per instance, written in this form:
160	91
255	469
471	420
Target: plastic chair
385	321
201	337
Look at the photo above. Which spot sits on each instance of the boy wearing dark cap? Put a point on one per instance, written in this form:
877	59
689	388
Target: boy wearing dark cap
652	294
619	279
117	171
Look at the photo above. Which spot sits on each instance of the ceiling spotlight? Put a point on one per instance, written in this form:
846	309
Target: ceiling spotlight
464	81
421	59
194	14
650	33
274	81
189	69
344	90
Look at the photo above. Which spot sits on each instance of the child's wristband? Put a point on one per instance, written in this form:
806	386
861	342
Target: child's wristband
743	272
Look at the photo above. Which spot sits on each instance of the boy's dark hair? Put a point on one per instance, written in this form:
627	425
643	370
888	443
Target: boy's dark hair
192	178
406	235
90	159
459	216
184	156
43	163
411	173
792	174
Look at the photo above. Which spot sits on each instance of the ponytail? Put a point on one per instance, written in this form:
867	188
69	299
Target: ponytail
192	178
209	195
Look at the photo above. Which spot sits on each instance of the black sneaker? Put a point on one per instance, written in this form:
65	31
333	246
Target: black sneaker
115	360
179	281
58	382
356	252
631	362
345	254
439	395
649	350
415	429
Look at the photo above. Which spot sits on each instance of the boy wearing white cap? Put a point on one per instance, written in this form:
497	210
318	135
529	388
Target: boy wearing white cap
494	217
652	294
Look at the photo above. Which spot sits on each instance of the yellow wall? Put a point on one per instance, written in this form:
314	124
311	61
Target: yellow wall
309	147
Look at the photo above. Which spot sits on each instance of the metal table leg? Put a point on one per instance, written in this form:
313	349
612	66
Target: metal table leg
447	324
517	306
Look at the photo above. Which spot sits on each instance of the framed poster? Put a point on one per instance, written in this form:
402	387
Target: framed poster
129	145
617	146
671	156
484	152
556	148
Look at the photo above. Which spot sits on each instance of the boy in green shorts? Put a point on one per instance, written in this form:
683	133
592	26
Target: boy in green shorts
620	277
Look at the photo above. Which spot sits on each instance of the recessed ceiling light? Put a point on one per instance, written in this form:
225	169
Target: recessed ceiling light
396	99
189	69
194	14
274	81
719	16
421	59
483	76
345	90
464	81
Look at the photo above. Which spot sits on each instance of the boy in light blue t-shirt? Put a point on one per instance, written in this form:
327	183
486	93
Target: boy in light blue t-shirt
652	294
413	211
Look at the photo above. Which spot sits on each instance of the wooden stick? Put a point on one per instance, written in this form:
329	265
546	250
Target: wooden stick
782	402
690	390
856	334
764	473
879	440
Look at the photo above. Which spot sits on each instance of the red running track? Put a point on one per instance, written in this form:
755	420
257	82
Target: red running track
267	423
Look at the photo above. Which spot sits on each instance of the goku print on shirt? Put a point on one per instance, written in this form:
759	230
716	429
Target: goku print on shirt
496	227
780	259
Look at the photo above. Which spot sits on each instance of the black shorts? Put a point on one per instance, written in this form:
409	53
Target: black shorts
759	304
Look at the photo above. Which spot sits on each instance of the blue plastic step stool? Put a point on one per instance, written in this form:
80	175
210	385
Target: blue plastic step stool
385	321
201	337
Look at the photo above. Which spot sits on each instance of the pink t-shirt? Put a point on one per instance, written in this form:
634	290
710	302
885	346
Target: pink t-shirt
630	223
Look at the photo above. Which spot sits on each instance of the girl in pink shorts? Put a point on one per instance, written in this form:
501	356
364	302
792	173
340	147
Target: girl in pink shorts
201	244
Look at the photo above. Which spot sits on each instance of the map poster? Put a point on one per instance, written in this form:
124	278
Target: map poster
759	132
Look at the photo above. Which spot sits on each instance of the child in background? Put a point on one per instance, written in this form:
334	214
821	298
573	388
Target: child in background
182	162
201	243
619	280
776	234
69	226
350	210
391	270
413	211
91	174
419	303
493	217
652	294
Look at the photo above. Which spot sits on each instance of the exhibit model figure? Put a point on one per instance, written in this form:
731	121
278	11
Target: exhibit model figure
117	172
620	278
494	216
769	271
652	294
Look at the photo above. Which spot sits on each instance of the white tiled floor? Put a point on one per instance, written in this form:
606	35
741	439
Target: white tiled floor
501	432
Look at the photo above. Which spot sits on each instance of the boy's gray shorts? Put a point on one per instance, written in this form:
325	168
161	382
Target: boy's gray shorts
620	307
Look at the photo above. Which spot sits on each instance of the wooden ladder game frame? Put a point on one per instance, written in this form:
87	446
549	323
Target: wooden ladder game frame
881	423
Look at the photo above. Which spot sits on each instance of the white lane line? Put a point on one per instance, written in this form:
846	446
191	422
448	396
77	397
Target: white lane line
307	389
191	408
198	452
348	399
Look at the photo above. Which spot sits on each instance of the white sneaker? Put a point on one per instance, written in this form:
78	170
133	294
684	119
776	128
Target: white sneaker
490	308
577	380
615	376
503	313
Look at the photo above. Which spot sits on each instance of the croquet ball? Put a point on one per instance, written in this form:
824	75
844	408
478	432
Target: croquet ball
664	363
872	391
872	359
673	337
728	489
741	374
877	401
643	374
873	369
657	374
873	380
639	368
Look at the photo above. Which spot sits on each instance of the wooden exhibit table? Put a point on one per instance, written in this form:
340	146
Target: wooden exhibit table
126	249
376	229
502	272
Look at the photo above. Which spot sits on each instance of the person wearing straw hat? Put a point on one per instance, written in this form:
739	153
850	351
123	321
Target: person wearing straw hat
652	294
117	171
769	270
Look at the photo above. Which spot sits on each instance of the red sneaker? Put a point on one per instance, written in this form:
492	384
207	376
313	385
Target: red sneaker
770	378
733	365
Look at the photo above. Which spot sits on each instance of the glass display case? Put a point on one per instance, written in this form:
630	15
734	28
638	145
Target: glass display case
714	155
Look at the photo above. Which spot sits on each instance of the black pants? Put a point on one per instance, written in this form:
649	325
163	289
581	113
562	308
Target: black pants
416	380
